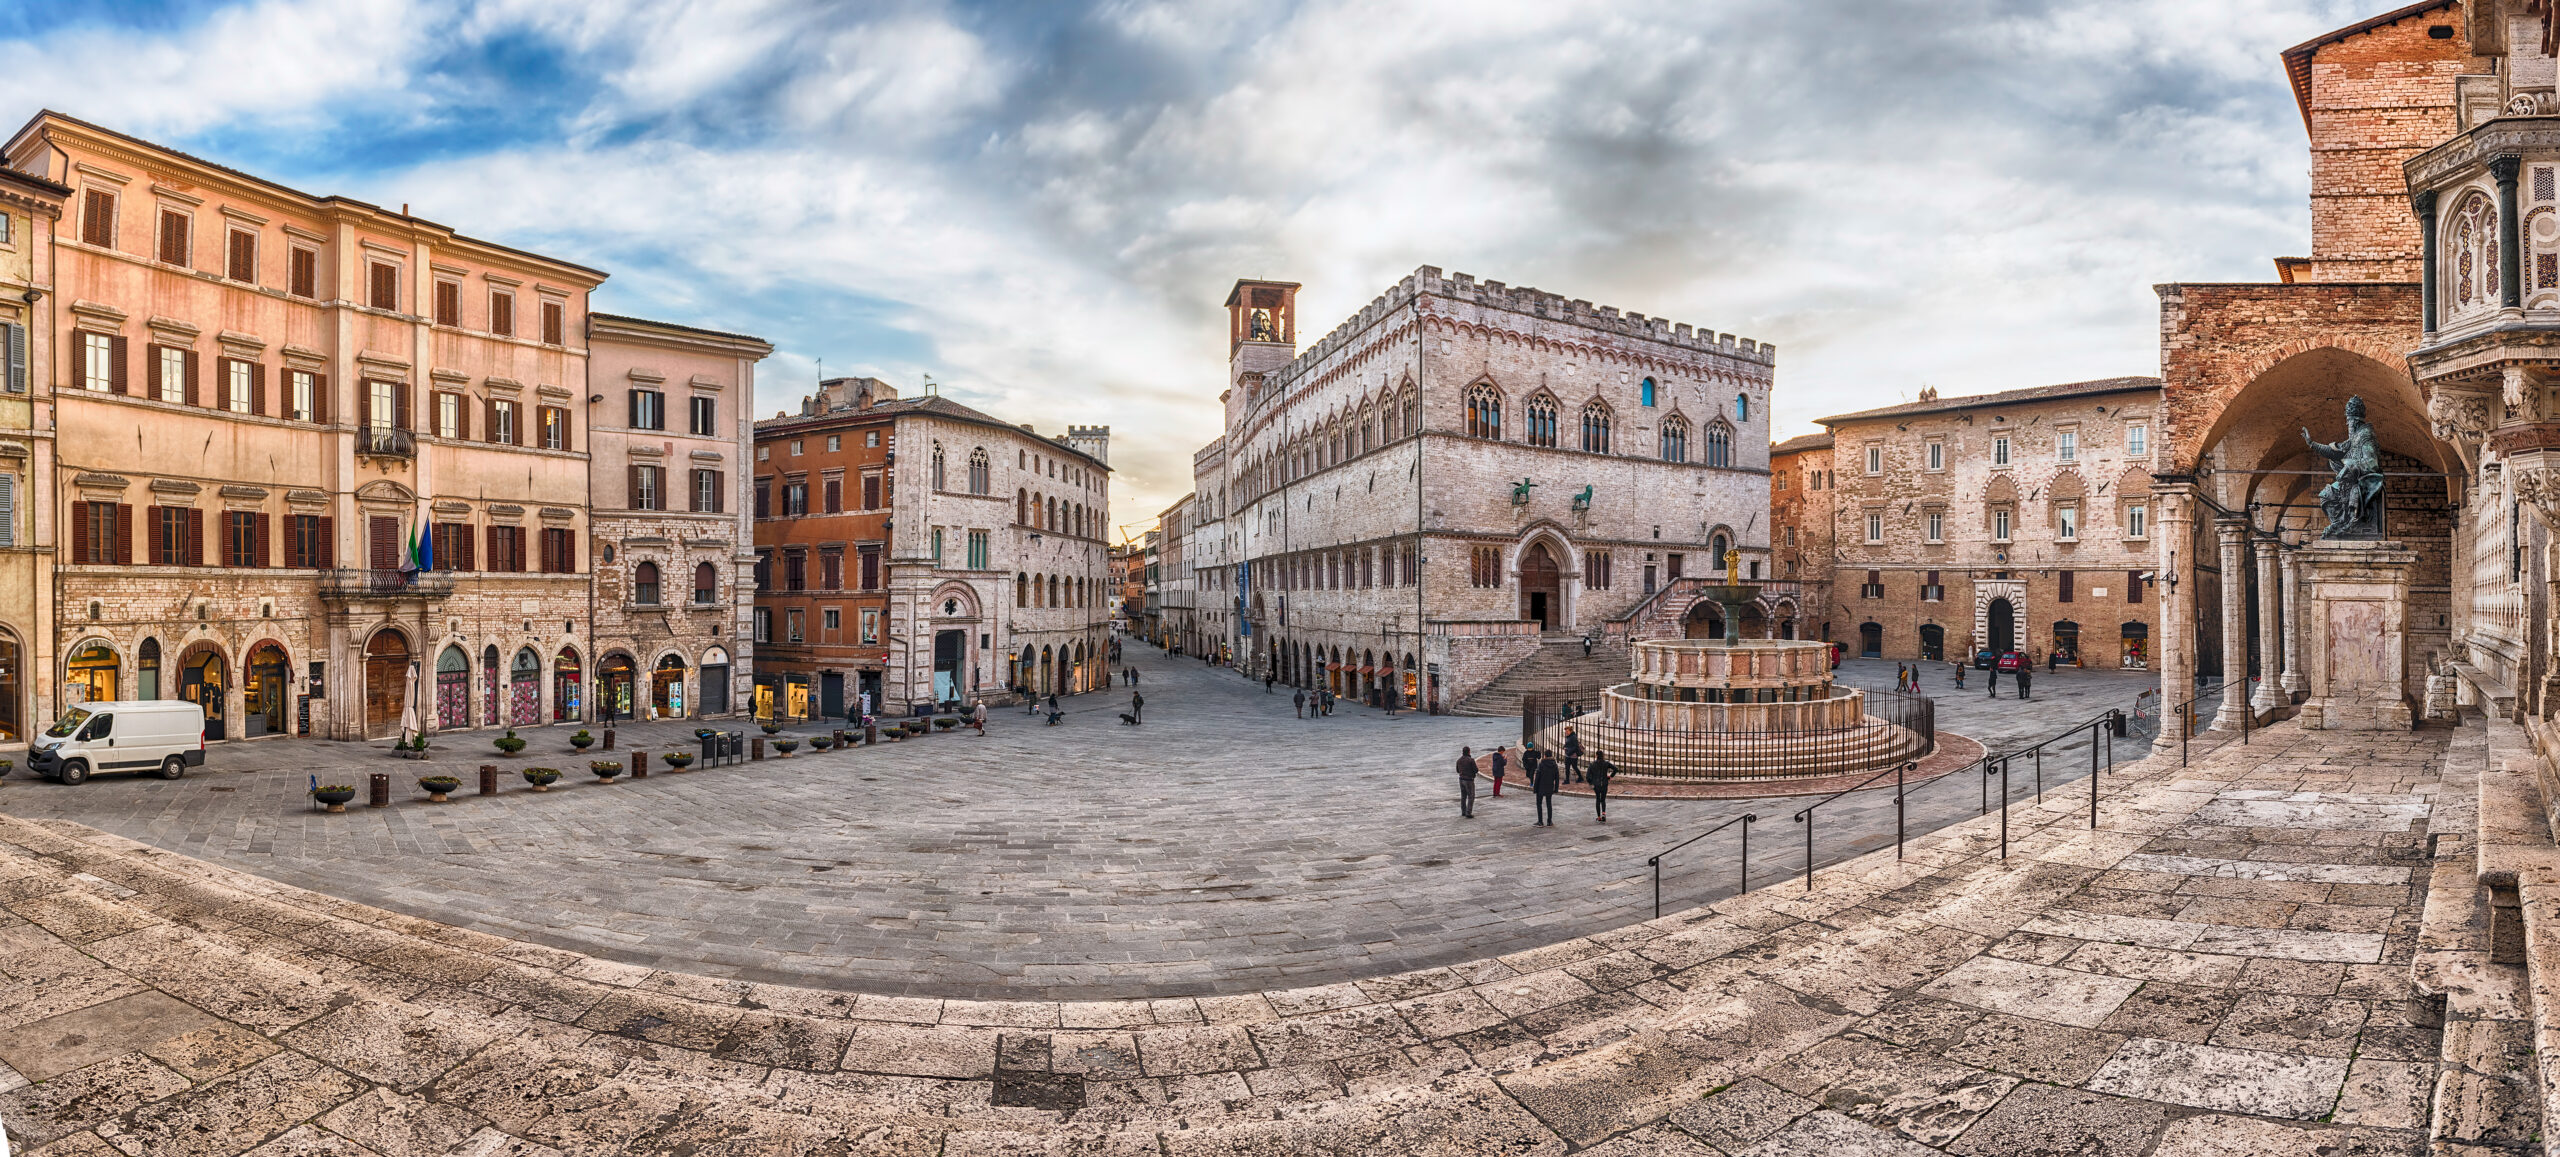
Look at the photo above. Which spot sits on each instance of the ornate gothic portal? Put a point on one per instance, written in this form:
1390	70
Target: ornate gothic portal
1541	587
1988	624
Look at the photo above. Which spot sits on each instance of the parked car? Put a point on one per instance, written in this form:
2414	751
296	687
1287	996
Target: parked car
2013	661
165	736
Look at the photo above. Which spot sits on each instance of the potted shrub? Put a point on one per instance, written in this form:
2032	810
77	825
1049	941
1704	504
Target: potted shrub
820	742
771	728
542	777
335	795
582	740
678	760
508	742
915	727
605	769
946	723
438	786
786	746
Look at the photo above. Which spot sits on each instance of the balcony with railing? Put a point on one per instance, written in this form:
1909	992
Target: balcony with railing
385	442
361	583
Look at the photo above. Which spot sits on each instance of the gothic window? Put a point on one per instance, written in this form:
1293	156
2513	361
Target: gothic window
1542	421
1484	412
977	471
2473	255
1675	440
1412	410
939	480
1368	429
1719	444
1595	428
1742	407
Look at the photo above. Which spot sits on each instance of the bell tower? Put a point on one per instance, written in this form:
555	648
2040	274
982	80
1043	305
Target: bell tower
1262	336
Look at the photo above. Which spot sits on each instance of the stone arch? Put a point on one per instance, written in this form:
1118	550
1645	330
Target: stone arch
964	596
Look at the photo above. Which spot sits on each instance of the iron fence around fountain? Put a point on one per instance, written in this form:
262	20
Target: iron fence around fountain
1776	752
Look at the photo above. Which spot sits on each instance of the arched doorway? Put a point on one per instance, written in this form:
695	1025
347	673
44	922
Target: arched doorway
2134	641
666	688
1541	586
489	685
1871	640
565	690
13	686
1705	620
386	682
714	698
91	674
613	690
267	693
1045	682
1754	624
146	670
453	688
2066	643
524	689
204	677
2002	620
1933	642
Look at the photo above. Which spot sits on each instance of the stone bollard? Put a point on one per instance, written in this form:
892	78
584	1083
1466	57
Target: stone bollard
608	737
758	748
488	779
639	765
381	796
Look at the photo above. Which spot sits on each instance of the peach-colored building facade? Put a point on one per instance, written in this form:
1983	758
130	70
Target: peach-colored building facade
29	205
261	396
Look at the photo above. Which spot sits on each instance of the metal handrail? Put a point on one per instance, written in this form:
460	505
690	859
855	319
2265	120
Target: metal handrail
1746	819
1805	817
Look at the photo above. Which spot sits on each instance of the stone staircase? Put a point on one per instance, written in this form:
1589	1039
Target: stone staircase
1558	668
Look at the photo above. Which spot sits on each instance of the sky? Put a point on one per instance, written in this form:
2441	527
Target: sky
1042	203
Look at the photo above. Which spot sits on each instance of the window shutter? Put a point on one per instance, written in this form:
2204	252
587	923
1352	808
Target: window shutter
320	398
631	398
462	417
9	510
258	391
470	547
98	219
17	358
563	411
151	383
80	532
497	556
489	412
400	406
262	538
364	403
328	542
568	553
719	492
634	468
124	534
115	364
193	398
154	525
194	554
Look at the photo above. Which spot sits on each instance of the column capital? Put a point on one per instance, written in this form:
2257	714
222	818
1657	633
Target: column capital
2268	548
2233	528
2504	166
2423	202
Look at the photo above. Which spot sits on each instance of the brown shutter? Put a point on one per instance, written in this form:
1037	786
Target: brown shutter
115	364
150	371
568	552
489	411
124	534
462	416
80	532
633	500
320	398
328	541
263	556
193	398
150	534
565	439
400	406
470	547
258	391
719	492
364	402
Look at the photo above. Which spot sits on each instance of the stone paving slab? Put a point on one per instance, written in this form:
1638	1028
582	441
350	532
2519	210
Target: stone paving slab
1224	845
1962	1003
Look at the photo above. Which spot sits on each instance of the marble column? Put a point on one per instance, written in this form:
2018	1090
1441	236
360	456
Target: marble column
2174	534
2270	695
2291	608
2234	536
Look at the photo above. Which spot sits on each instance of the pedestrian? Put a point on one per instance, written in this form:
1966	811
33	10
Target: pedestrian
1466	783
1960	668
1901	678
1501	764
1298	703
1268	681
2051	660
1586	646
1327	695
1133	675
1572	755
1053	703
978	717
1991	679
2026	679
1601	772
1544	781
1137	705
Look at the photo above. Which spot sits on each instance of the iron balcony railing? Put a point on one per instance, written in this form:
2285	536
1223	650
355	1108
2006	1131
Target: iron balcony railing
386	442
364	583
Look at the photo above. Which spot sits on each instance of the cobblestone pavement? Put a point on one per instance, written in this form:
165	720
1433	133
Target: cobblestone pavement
2222	967
1222	846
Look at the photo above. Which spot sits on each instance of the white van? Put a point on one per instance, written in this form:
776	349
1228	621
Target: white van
159	735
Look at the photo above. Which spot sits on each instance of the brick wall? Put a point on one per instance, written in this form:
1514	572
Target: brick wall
2377	98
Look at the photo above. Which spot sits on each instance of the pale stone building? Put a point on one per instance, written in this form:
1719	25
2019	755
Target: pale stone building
29	206
266	400
1462	472
2018	520
674	536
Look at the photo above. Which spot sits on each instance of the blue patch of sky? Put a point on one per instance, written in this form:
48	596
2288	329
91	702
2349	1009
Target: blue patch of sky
39	17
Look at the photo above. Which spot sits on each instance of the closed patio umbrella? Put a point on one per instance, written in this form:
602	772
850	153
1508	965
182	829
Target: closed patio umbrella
409	705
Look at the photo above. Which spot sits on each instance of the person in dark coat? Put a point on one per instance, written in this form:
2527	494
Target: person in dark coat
2026	679
1501	767
1137	705
1545	780
1298	703
1572	756
1466	783
1601	772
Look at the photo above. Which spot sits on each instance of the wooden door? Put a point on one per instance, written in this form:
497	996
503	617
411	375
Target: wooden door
386	677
